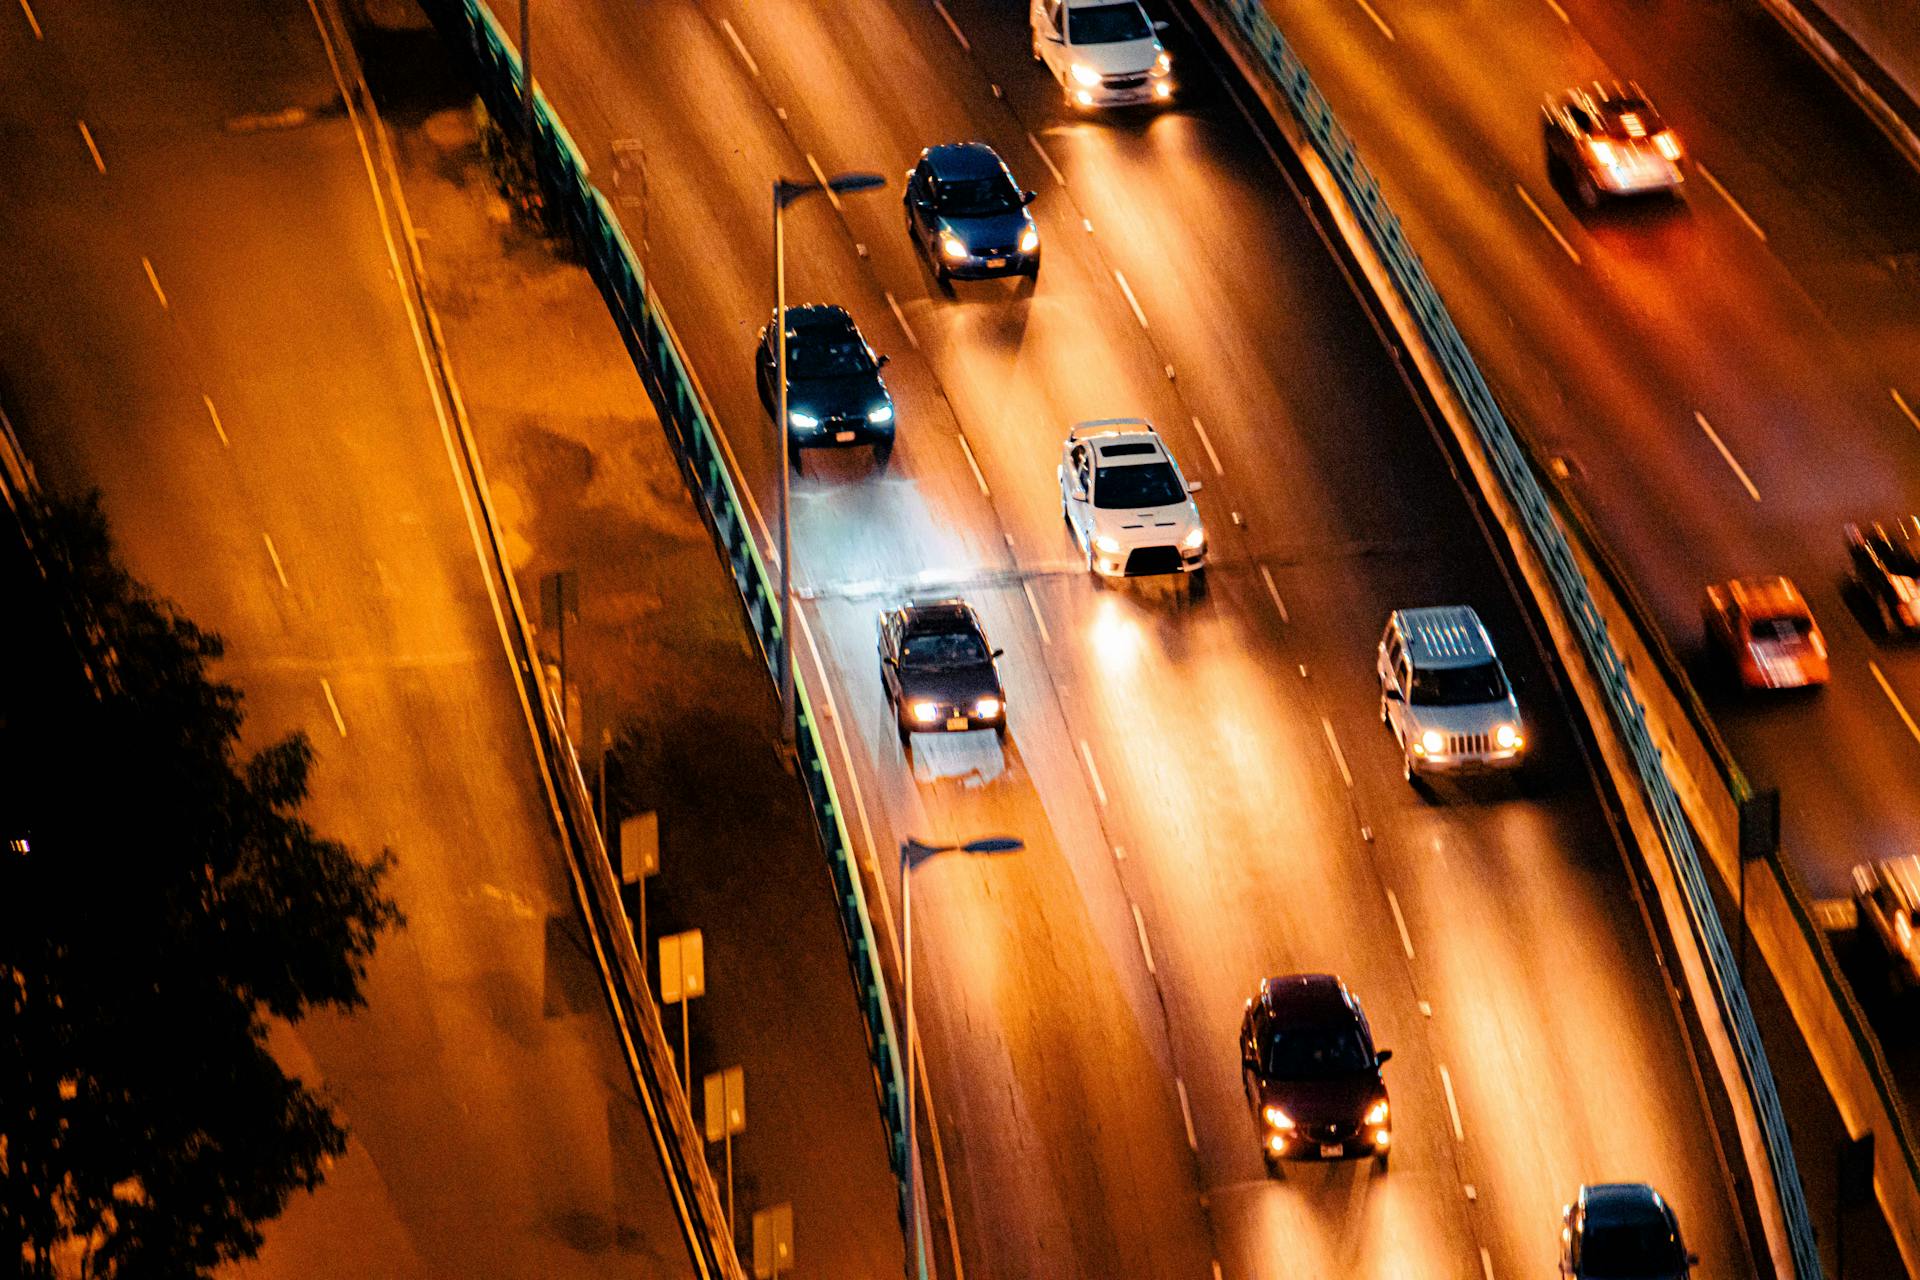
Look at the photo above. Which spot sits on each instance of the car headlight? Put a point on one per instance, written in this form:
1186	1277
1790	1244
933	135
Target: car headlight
1602	151
883	414
951	245
1276	1118
802	420
1377	1114
1195	540
987	708
924	712
1507	738
1432	741
1163	64
1029	240
1668	144
1086	75
1104	543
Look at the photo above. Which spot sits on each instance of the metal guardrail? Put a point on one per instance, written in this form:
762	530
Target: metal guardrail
1510	461
687	421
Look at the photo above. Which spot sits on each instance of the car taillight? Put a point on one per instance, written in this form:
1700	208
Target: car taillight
1668	144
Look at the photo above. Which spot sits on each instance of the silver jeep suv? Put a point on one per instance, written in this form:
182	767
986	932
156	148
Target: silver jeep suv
1445	695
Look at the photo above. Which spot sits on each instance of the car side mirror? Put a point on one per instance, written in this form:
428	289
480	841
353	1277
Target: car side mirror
1079	494
881	363
1160	24
1380	1058
1393	693
1693	1259
1193	486
997	653
1056	39
1028	197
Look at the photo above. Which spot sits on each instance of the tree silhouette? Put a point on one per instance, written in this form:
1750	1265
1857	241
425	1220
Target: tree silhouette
159	898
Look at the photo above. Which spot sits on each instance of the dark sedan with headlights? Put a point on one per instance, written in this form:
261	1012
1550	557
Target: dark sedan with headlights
835	396
1884	561
938	669
968	215
1312	1074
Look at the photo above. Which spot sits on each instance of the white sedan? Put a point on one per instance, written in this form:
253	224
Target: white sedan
1129	508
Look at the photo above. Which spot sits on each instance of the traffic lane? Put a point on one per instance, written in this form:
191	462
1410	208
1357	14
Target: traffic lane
1042	1032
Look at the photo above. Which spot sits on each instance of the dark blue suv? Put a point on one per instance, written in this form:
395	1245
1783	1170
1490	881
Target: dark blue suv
834	392
968	215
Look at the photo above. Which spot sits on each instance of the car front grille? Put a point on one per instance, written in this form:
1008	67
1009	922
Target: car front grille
1123	82
1146	560
1470	744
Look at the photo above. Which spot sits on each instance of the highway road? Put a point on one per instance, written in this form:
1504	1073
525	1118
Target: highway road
1205	791
204	321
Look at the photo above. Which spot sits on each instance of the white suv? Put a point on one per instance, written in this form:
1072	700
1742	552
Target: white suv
1444	693
1104	53
1127	503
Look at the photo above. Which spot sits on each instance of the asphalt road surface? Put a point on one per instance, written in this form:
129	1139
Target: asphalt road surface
1204	788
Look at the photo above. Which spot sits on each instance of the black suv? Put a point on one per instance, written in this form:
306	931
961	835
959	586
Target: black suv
938	670
834	392
1312	1074
1622	1231
1884	560
968	215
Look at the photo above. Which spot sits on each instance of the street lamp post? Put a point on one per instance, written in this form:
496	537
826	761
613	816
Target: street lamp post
785	192
914	851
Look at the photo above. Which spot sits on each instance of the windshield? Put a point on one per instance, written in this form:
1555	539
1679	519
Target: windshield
1108	24
826	355
1781	629
1629	1251
1316	1053
928	649
1151	484
1458	686
1901	556
979	197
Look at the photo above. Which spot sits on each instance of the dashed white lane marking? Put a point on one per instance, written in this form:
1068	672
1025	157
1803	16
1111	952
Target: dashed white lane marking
1216	1269
1132	301
338	721
905	328
1904	406
1547	222
1119	854
1026	589
31	20
217	428
740	46
1894	698
1378	21
953	26
1559	12
1099	792
154	280
1400	923
820	176
86	136
1266	576
1186	1113
1206	444
1088	224
1046	159
1486	1259
1339	757
1453	1107
1726	453
974	466
273	554
1728	197
1146	948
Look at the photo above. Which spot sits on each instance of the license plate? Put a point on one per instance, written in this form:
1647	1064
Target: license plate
956	722
843	436
996	262
1332	1150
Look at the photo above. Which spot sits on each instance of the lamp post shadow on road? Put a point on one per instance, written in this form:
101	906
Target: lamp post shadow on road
913	852
785	192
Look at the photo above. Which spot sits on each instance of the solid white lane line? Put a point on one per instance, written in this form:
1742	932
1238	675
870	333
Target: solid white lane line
1186	1113
820	176
953	26
1207	444
977	477
1453	1107
740	46
1728	197
1486	1259
1339	758
154	280
905	328
1266	576
1132	301
338	721
1046	159
273	554
1894	698
31	20
1378	21
1099	792
86	135
1904	406
215	415
1726	453
1547	222
1026	589
1559	12
1400	923
1146	949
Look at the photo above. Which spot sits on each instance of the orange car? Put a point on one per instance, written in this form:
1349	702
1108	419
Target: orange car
1764	625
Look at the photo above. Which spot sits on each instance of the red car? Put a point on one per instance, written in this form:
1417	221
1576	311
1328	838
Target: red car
1765	627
